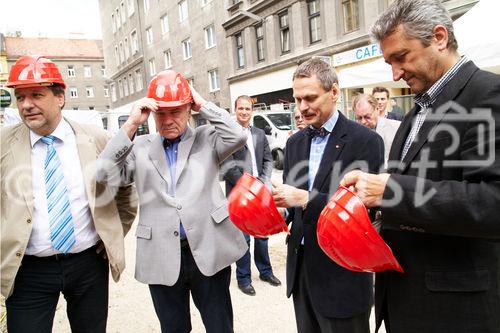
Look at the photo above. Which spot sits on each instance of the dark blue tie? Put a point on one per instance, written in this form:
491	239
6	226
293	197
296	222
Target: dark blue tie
314	132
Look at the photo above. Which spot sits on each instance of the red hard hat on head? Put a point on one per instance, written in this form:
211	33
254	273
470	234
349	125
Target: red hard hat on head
170	89
32	71
252	208
346	235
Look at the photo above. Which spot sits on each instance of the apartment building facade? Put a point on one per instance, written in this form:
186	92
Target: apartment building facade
268	38
80	62
144	37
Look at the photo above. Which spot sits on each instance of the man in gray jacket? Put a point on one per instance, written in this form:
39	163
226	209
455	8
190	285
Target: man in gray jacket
185	240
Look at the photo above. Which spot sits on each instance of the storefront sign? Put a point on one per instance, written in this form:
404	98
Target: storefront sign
5	98
355	55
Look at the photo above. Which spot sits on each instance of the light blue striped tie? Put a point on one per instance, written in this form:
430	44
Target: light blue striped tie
62	231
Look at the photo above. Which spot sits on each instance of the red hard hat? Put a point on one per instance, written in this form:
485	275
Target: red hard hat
32	71
346	235
170	89
252	208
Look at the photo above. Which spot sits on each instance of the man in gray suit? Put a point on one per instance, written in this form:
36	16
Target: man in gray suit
366	113
256	159
185	240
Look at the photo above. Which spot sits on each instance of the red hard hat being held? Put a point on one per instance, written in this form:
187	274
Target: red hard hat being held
346	235
252	208
170	89
33	71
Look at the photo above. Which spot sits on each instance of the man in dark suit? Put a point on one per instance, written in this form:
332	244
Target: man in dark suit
256	159
440	199
326	297
385	107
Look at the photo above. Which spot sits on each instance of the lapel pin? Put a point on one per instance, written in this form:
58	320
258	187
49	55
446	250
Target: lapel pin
337	146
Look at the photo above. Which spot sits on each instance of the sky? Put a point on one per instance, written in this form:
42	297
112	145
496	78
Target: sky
51	18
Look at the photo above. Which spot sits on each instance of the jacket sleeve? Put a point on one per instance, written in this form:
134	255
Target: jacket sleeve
267	162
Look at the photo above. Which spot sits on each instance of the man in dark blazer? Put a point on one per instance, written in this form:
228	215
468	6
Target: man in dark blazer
327	297
256	159
440	200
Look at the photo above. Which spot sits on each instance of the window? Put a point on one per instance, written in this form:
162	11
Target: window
91	107
240	52
120	89
117	55
186	49
259	37
210	37
123	13
125	86
73	92
126	48
167	57
146	5
152	67
118	18
130	7
213	80
284	32
134	41
87	71
138	80
122	53
113	23
131	83
113	92
105	89
314	21
75	108
103	70
350	14
149	36
89	92
164	24
183	10
71	71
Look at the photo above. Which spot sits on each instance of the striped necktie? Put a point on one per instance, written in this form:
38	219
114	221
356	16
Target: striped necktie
62	231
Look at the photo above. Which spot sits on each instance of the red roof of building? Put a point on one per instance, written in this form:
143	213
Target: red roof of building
54	48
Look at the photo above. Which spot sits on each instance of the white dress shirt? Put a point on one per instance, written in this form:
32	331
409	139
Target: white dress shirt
251	148
86	236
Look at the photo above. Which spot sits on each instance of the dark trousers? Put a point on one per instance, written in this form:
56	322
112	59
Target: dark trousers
210	295
83	280
309	320
261	258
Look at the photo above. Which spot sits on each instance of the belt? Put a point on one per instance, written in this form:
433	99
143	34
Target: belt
60	256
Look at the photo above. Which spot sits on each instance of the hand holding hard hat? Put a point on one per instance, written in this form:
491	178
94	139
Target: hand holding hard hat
252	208
346	235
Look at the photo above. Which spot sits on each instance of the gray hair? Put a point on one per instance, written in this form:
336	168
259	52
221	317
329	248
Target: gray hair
364	97
418	17
323	71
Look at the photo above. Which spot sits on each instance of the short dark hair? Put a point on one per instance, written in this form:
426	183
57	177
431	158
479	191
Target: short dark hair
248	98
381	89
58	89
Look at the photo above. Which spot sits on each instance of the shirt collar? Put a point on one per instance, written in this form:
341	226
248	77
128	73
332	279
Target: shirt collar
427	98
330	123
166	141
62	130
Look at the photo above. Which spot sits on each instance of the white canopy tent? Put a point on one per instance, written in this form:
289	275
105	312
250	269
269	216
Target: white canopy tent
476	32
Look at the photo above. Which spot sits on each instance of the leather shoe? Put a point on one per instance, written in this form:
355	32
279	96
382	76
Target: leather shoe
248	289
272	280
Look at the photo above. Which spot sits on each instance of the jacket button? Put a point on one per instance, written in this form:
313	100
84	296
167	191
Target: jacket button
18	254
28	221
179	207
176	233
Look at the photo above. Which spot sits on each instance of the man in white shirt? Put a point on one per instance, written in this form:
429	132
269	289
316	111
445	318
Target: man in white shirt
255	158
61	231
366	113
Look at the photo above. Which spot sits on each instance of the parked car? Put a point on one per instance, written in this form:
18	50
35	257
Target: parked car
278	126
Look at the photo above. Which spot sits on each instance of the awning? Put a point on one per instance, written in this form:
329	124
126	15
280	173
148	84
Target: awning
370	74
477	34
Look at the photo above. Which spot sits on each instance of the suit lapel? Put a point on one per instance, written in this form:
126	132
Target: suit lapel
301	149
439	109
332	152
87	153
183	152
21	153
157	156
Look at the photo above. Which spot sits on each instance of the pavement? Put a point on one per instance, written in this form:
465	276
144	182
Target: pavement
131	308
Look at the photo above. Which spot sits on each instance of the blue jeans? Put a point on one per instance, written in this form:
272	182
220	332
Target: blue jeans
83	280
261	258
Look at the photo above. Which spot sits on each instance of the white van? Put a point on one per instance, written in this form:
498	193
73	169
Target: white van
113	121
278	126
